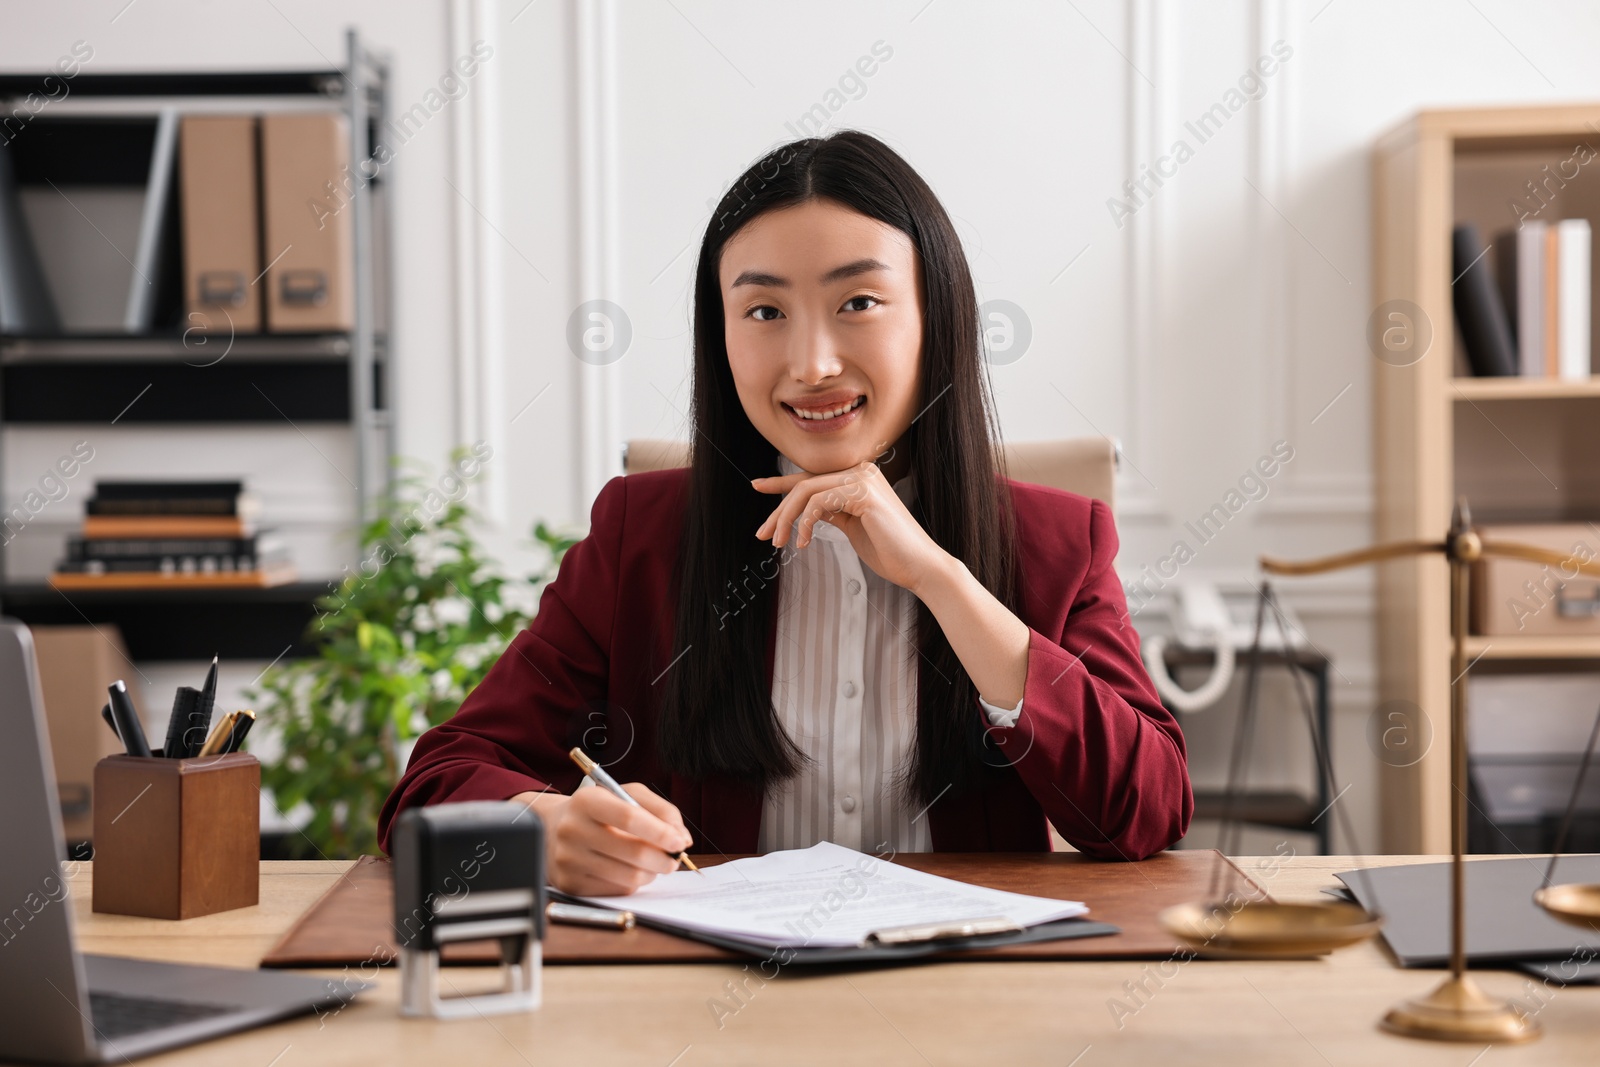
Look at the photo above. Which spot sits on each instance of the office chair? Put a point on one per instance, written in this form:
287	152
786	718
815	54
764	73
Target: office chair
1083	465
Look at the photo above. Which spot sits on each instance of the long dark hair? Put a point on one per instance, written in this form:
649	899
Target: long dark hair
717	715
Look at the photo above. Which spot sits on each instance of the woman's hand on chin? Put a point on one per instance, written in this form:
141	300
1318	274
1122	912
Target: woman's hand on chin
860	502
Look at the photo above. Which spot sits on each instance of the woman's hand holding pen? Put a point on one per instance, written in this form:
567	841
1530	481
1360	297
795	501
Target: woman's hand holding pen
863	506
599	845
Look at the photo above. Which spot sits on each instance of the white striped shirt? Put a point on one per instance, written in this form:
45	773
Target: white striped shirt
844	687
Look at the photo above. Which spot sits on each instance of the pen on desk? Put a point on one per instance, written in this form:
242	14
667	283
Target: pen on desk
111	720
601	778
217	740
582	915
127	721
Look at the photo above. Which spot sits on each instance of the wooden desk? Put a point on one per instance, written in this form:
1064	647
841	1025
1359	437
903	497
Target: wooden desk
1322	1013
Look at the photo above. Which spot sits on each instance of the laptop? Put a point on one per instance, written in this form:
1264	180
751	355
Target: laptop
58	1005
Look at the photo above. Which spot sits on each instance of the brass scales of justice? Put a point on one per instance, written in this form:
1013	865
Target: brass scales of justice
1458	1010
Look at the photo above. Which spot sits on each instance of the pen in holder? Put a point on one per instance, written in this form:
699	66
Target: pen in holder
176	838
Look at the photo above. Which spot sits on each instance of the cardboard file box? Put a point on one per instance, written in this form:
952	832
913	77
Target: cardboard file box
307	182
76	664
221	224
176	838
1511	597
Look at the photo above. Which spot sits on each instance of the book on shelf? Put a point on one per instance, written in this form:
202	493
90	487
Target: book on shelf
1552	291
265	544
165	534
168	565
97	527
1480	313
173	498
1572	304
1519	269
1543	273
116	489
170	509
259	578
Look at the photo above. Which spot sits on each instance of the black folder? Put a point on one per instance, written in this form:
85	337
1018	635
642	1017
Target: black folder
1574	970
1504	926
1480	311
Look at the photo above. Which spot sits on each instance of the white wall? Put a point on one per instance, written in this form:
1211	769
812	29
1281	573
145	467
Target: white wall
1226	314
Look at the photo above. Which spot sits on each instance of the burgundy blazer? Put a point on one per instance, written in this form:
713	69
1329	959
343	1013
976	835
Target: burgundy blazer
1094	751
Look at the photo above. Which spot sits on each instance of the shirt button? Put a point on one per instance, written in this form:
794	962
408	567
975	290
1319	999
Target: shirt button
854	586
848	804
849	689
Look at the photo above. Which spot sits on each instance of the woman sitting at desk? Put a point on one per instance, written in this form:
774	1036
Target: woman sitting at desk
838	624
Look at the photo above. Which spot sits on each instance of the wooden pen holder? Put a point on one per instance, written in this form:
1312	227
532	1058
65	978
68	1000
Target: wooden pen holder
176	838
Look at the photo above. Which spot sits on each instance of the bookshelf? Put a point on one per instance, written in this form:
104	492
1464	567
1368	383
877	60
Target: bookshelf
1476	389
1541	647
1520	450
189	624
86	378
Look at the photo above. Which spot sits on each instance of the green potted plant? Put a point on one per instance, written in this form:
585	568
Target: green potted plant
400	642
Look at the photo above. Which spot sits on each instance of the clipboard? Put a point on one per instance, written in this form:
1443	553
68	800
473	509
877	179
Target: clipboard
891	944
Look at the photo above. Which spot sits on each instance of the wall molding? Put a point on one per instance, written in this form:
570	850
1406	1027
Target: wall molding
1323	597
599	406
1150	26
479	276
1140	505
1147	106
1268	164
1297	506
1331	495
1331	499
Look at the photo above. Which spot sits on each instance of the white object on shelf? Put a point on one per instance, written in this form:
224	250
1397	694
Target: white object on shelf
1530	299
1572	304
1530	714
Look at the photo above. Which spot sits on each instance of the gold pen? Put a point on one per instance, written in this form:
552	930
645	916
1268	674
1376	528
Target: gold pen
218	737
583	915
601	778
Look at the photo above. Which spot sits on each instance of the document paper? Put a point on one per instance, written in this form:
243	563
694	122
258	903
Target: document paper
825	896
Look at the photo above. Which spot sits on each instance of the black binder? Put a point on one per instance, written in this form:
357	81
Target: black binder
1479	309
1504	926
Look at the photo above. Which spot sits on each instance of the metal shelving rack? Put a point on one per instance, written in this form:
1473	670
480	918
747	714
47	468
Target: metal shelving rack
188	620
1283	809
